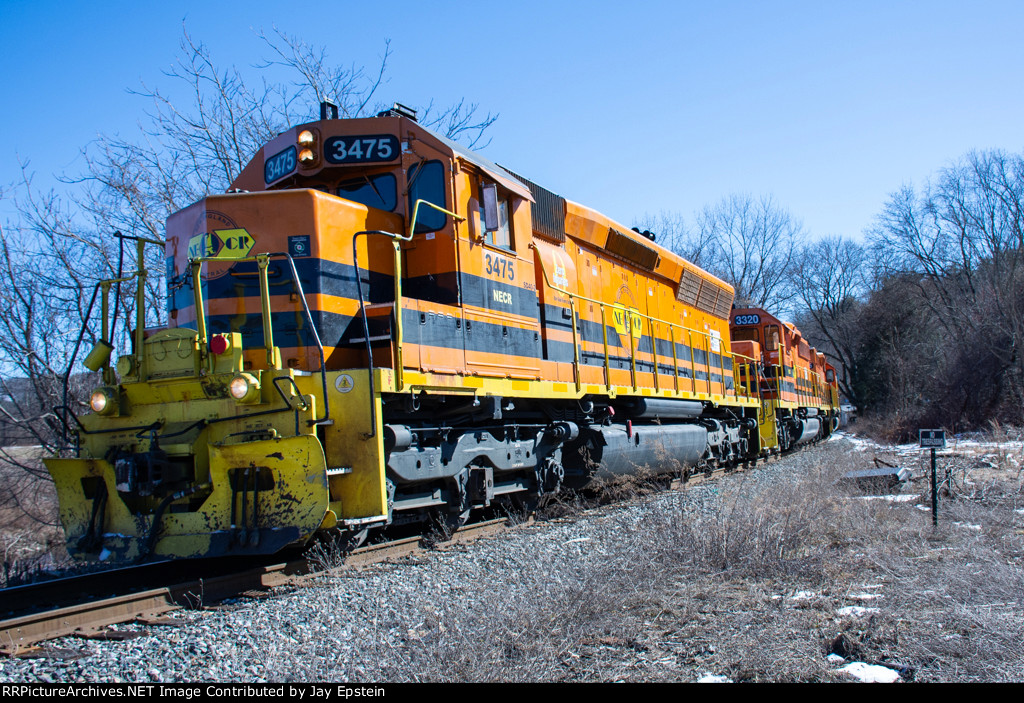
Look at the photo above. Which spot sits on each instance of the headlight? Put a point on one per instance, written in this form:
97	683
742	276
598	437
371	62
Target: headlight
103	401
245	388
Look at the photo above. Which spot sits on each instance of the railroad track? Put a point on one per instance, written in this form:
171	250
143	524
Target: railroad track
20	635
50	609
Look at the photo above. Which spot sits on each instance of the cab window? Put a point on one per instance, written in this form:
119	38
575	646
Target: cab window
372	191
426	182
502	236
747	334
771	337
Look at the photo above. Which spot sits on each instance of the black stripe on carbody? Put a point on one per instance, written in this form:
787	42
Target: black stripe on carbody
320	276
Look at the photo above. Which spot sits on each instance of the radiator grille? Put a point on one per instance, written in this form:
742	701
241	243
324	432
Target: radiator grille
548	211
689	288
704	295
724	307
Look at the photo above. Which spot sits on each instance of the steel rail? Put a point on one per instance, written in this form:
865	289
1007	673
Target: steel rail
21	634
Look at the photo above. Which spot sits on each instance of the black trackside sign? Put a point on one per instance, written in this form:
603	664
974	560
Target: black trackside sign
933	439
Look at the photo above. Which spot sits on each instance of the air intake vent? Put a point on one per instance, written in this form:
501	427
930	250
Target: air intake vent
724	306
689	288
708	298
548	211
704	295
625	247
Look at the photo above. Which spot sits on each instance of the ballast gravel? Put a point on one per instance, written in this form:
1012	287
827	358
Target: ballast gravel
539	602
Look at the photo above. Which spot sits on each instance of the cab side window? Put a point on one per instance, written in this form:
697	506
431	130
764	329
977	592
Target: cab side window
502	235
426	182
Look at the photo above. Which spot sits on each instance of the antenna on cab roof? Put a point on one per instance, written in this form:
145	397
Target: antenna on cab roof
328	110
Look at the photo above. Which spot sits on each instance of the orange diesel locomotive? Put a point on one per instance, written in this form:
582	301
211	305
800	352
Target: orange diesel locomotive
798	386
377	326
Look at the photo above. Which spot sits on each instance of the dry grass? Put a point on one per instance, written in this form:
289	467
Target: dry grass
30	538
745	578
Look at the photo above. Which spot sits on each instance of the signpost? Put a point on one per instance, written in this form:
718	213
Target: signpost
934	439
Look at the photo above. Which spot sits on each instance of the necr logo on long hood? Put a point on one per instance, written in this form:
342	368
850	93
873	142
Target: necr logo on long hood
229	241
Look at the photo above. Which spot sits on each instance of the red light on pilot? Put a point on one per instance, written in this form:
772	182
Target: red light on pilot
219	344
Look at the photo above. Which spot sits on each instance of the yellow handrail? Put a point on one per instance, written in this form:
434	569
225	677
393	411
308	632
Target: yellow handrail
399	331
140	308
632	351
262	262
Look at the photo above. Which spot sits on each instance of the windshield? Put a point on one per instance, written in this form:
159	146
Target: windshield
372	191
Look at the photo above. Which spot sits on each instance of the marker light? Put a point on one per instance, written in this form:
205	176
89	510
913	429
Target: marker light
306	138
103	401
244	388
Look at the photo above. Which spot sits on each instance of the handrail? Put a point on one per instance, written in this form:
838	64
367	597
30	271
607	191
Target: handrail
632	350
262	261
415	214
396	240
140	316
399	369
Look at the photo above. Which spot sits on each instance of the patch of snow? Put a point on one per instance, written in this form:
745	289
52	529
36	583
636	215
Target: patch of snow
578	539
834	659
968	526
1019	510
923	507
870	673
712	678
856	610
803	595
865	596
890	498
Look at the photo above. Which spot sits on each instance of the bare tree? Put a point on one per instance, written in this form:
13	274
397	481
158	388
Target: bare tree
673	233
460	121
962	237
830	280
60	244
752	243
961	240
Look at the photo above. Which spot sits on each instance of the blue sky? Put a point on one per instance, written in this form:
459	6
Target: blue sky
631	108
